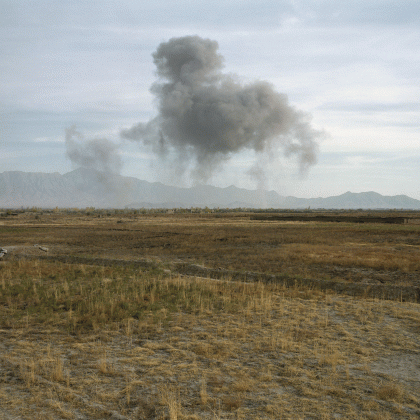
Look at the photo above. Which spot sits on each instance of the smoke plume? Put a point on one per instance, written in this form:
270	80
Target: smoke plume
98	153
206	116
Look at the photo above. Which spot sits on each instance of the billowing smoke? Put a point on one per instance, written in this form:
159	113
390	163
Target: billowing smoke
103	156
98	153
206	116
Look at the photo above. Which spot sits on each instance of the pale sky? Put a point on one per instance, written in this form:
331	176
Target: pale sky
354	66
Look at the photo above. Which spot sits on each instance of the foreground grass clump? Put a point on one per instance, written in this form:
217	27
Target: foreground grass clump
84	298
91	342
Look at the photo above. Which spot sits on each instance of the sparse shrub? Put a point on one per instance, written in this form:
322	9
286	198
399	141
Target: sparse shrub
232	402
390	392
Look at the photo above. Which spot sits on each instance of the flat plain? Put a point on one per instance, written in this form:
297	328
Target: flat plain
124	315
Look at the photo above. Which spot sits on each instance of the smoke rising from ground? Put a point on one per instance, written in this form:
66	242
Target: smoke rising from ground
98	153
103	156
206	116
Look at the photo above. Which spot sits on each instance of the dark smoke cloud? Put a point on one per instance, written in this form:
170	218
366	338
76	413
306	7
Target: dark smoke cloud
98	153
206	116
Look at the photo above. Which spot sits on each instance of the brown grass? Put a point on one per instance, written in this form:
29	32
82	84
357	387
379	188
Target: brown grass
344	251
89	341
389	392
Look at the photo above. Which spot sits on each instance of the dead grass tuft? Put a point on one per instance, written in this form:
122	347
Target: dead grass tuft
390	392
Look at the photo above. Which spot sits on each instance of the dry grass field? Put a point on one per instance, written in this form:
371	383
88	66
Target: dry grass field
100	318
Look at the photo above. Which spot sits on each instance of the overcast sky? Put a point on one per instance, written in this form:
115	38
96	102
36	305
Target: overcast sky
352	65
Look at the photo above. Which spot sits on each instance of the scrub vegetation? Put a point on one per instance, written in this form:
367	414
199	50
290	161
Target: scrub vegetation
126	334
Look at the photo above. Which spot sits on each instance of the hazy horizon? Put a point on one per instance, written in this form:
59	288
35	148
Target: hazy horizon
75	76
109	184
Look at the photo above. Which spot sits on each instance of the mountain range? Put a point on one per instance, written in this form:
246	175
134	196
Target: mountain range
89	188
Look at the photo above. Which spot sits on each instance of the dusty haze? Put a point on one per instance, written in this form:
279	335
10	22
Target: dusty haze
100	154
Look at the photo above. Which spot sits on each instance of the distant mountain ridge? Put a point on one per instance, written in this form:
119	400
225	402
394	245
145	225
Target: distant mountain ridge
89	188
